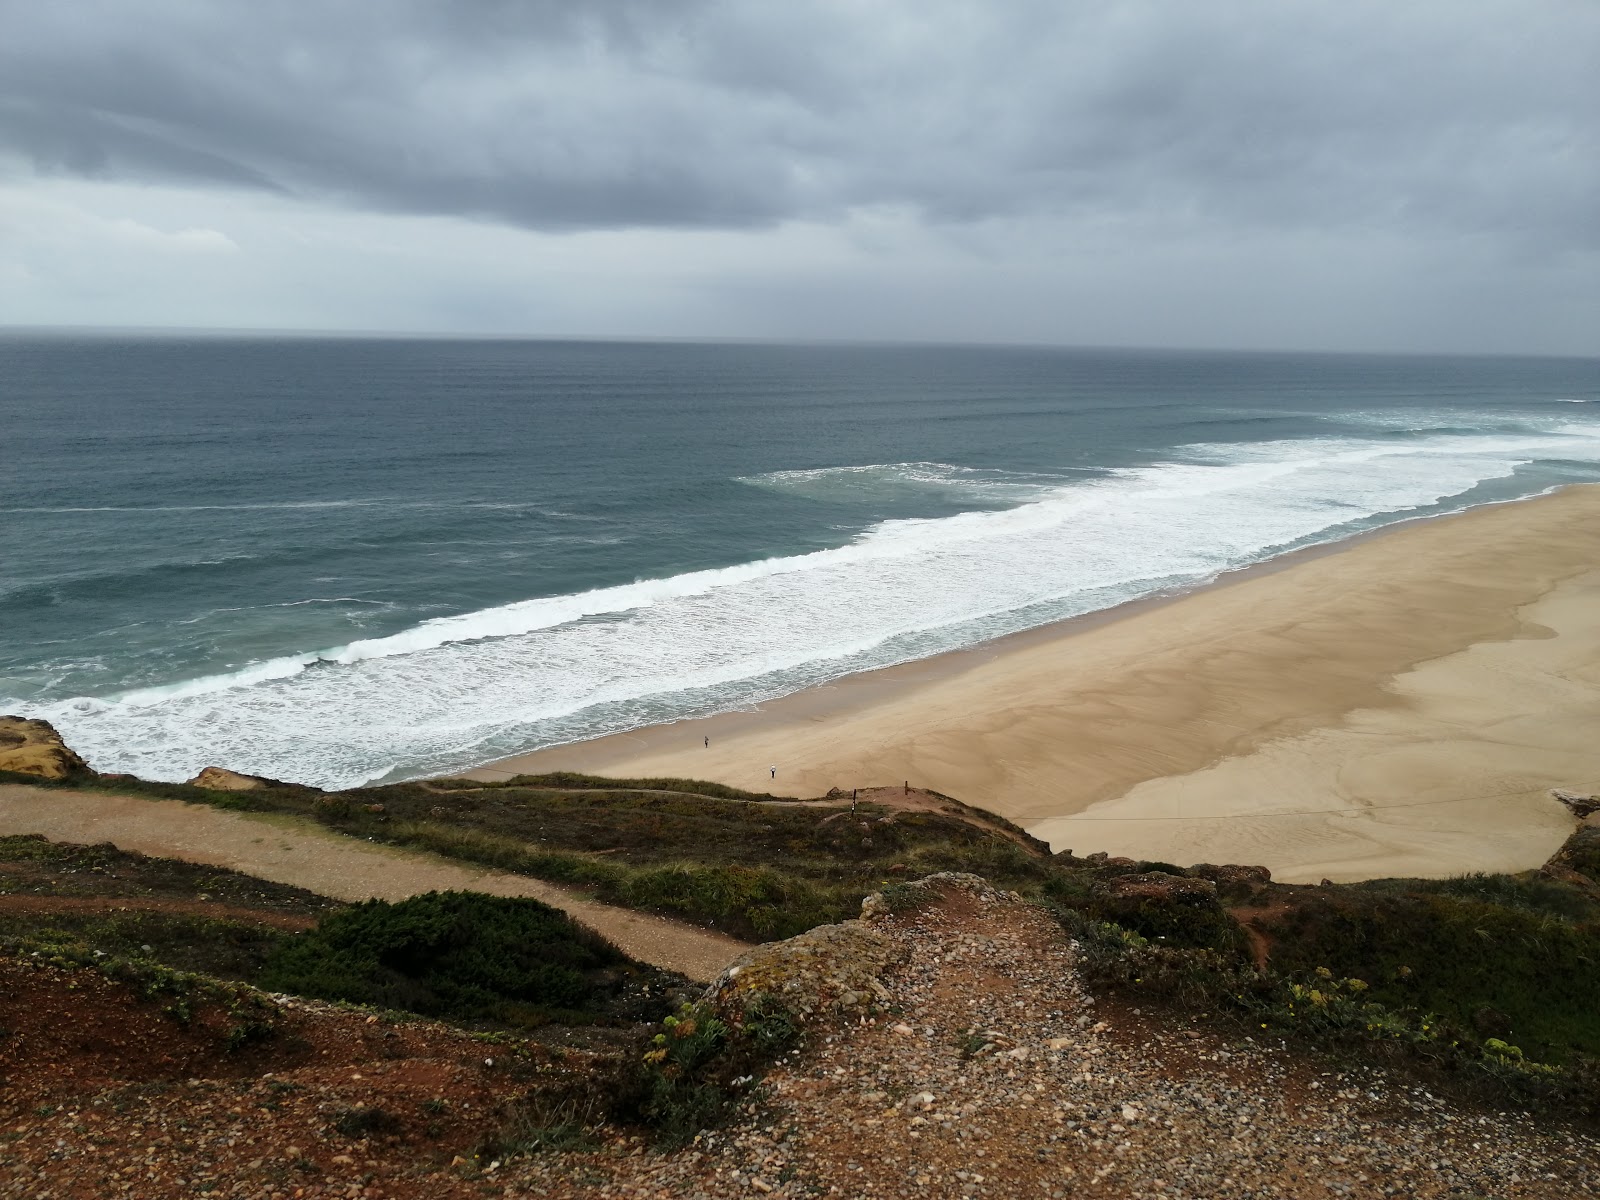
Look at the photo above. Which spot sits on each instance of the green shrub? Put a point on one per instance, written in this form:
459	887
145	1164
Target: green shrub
462	955
680	1096
1433	951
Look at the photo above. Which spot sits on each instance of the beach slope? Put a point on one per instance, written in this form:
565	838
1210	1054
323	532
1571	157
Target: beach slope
1398	706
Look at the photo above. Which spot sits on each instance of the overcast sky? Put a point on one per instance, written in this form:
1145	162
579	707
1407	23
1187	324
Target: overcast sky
1339	174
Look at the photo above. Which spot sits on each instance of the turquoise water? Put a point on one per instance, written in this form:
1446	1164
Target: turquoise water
339	560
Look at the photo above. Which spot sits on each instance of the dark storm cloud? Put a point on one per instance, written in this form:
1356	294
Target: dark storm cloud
1463	115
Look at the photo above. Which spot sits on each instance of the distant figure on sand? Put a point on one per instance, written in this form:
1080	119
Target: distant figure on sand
774	770
708	741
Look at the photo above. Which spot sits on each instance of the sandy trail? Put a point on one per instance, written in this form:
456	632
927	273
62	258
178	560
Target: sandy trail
292	851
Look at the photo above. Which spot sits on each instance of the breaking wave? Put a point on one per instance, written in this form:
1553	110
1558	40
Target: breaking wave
1027	549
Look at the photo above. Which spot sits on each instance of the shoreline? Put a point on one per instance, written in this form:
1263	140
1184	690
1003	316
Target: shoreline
1398	702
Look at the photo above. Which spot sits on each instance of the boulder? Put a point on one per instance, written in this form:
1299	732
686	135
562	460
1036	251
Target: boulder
31	747
836	971
829	971
220	780
1177	909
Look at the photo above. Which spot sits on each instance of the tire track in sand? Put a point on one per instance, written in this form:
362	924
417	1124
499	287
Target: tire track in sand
293	851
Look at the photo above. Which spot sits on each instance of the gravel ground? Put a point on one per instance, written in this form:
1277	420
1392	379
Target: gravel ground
993	1075
952	1053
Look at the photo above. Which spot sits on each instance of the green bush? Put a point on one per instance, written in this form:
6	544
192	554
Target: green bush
461	955
680	1094
1436	952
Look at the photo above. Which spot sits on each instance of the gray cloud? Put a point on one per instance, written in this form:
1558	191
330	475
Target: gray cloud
1465	116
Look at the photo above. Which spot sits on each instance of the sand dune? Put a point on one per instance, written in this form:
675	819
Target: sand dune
1400	705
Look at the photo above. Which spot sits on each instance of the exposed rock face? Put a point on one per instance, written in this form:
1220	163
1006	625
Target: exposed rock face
34	748
1578	860
219	779
1581	805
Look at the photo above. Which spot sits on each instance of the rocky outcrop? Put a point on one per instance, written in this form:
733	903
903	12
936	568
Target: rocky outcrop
835	971
31	747
1578	860
1233	880
1579	804
825	973
218	779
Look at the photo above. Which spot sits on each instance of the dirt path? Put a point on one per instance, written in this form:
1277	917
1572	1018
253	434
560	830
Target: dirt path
288	850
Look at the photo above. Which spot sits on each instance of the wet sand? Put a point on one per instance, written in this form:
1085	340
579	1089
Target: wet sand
1398	706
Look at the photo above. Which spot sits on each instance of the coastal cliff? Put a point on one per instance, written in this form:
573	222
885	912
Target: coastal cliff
1052	1025
954	1040
29	747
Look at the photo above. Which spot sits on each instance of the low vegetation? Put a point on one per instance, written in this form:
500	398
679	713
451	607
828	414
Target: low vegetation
457	955
751	865
471	958
1485	979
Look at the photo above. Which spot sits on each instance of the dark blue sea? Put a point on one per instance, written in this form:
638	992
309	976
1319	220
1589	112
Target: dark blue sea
342	560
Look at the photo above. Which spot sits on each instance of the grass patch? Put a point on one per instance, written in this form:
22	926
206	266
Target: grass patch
32	865
227	949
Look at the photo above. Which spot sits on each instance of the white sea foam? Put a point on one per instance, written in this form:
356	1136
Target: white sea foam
893	480
459	688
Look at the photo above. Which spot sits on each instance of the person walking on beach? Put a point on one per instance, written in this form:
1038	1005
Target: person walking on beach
774	770
708	741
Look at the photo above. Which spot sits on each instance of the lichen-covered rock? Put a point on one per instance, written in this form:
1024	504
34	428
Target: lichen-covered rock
835	970
32	747
825	972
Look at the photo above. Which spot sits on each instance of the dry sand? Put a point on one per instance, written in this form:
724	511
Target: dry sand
1400	706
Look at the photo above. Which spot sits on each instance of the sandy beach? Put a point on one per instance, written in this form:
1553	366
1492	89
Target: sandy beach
1400	705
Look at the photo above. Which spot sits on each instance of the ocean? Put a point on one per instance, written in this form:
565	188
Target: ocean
344	560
